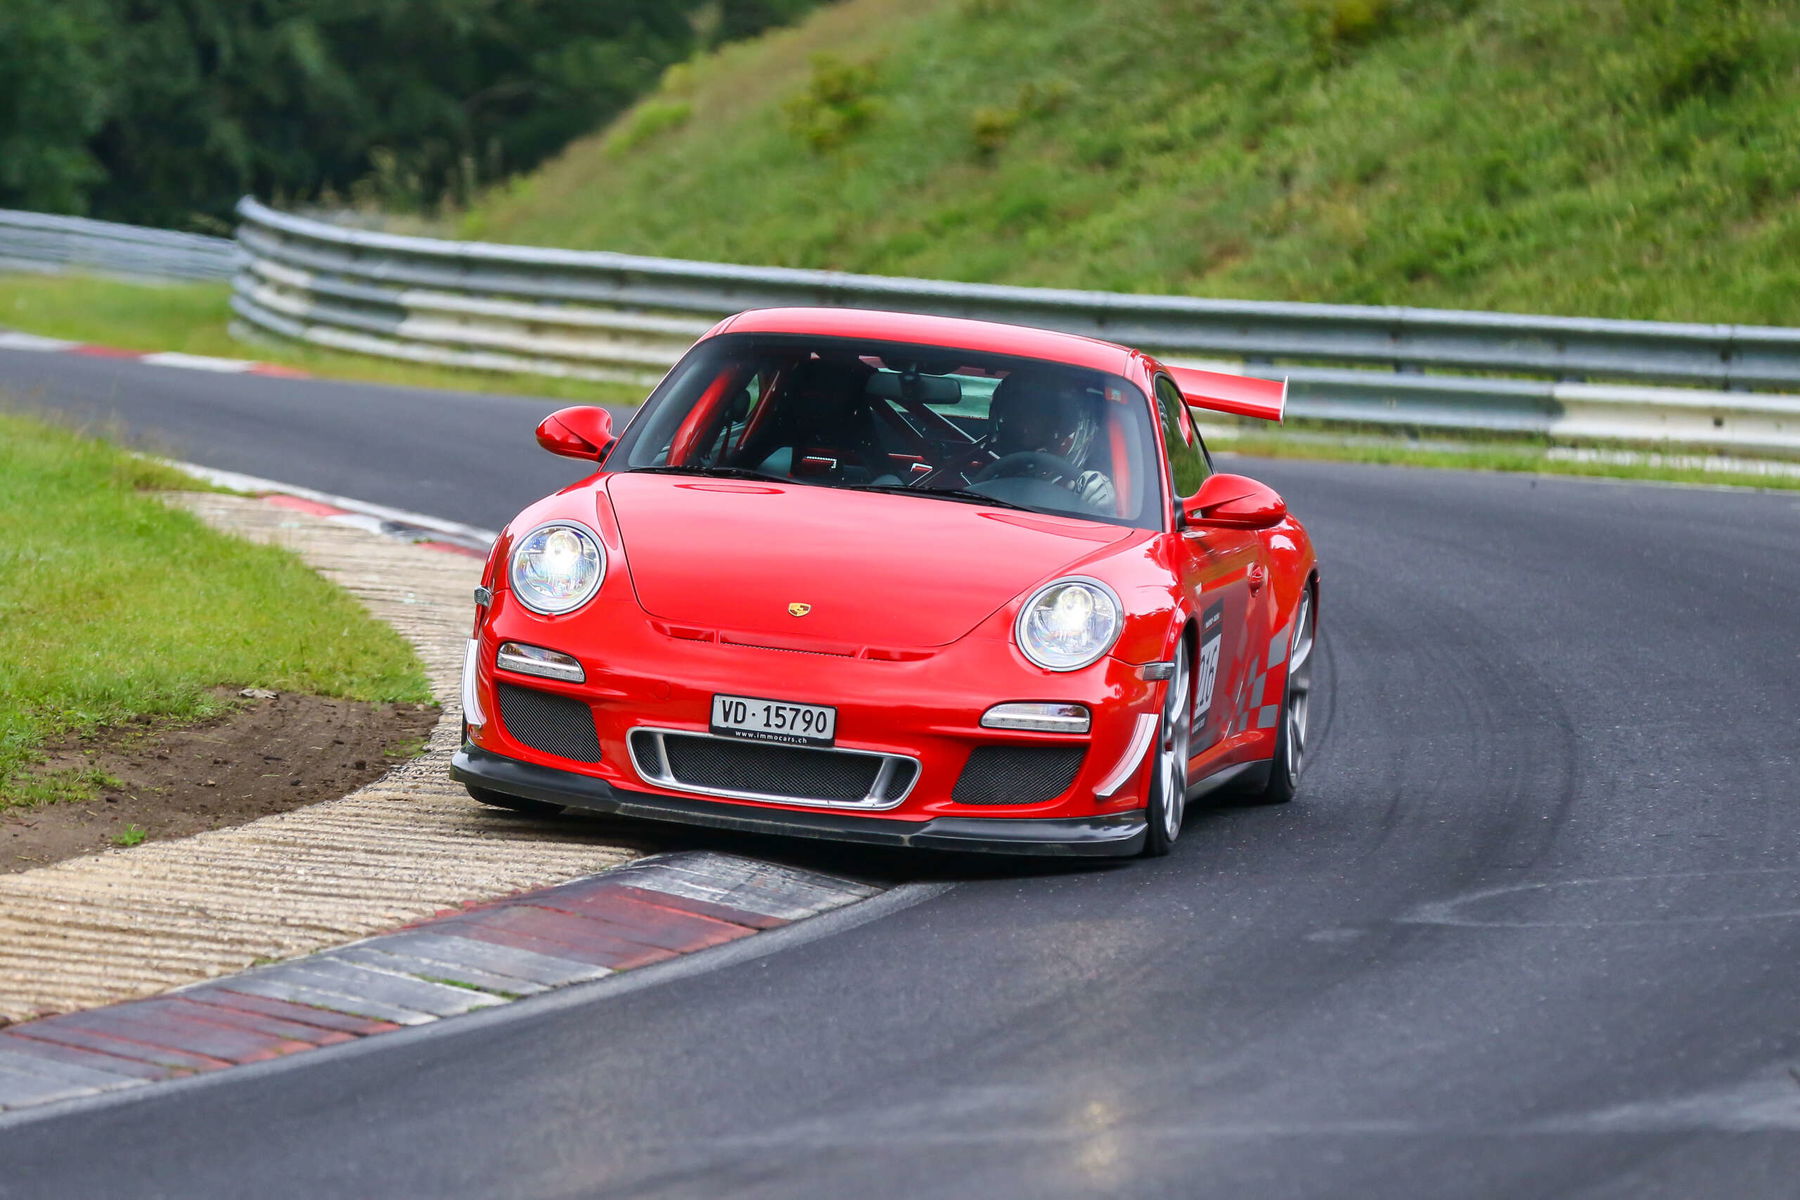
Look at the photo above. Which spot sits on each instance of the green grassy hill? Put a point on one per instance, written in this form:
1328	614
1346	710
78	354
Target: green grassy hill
1628	158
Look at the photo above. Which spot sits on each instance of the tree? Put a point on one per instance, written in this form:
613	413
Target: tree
54	95
165	111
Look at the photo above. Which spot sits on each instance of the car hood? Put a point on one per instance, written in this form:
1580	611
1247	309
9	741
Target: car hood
875	569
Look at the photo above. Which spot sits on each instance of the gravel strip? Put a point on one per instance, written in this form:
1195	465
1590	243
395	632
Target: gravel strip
130	923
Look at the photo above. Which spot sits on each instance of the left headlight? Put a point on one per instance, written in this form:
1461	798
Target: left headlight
556	568
1069	624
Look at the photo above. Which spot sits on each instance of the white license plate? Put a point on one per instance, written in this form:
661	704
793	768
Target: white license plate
774	721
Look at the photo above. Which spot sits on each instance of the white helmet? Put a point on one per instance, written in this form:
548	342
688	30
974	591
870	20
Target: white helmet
1042	411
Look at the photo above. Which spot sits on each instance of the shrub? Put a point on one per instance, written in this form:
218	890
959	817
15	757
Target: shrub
649	119
992	126
836	104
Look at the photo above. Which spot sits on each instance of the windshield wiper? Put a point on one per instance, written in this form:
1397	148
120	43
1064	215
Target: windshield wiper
962	494
717	472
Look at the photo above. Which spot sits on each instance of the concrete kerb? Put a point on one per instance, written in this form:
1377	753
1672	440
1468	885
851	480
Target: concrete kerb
94	939
74	1097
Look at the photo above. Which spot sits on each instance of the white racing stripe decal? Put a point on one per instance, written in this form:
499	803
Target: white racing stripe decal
1134	755
471	693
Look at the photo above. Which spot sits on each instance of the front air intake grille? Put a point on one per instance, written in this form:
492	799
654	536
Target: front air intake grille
753	770
1017	774
554	724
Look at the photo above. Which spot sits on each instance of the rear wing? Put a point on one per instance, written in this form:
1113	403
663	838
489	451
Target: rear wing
1238	395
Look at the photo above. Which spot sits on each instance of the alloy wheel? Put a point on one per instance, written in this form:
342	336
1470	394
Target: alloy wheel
1172	753
1300	654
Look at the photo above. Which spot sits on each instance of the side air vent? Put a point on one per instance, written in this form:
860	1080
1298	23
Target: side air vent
1018	774
554	724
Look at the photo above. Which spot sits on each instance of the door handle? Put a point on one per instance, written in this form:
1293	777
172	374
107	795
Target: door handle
1258	576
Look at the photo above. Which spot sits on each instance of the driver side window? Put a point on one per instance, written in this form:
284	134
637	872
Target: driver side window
1188	463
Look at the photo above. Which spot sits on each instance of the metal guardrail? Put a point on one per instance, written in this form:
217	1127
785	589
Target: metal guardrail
32	241
620	317
625	318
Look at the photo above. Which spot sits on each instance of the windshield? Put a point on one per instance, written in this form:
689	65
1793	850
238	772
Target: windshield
948	425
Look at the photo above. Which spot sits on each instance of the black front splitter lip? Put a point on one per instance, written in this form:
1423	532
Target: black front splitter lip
1109	836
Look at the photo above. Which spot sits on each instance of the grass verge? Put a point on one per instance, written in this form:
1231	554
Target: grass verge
115	605
193	318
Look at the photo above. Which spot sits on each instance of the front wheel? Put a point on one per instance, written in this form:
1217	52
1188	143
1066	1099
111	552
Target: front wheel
1168	778
1290	738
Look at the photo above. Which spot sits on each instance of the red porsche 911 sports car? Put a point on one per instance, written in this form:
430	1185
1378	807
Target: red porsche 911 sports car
902	580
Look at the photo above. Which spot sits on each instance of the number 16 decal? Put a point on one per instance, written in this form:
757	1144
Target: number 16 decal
1206	671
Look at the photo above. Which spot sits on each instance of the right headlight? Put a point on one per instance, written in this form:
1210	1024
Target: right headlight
556	568
1069	624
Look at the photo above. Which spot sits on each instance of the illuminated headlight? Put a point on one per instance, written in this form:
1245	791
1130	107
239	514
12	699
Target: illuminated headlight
557	568
1069	624
1049	718
535	660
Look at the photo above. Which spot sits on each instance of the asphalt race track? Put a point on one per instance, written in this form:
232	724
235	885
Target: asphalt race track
455	455
1533	928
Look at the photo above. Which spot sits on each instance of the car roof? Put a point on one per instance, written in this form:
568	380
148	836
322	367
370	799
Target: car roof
953	333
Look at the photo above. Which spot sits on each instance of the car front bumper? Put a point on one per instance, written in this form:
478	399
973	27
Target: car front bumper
1109	835
645	680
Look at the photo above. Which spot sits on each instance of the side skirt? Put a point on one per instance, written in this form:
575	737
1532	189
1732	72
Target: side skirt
1250	776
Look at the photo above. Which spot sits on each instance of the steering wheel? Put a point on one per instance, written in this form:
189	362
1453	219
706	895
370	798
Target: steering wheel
1040	464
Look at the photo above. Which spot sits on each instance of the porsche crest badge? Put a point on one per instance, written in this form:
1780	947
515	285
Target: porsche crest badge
798	609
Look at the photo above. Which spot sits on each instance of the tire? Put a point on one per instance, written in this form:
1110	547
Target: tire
518	804
1168	776
1296	702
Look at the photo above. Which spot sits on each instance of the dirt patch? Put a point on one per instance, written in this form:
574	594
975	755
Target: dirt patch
271	754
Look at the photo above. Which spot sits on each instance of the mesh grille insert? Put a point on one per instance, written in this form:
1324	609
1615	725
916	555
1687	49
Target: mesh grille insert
792	772
1017	774
554	724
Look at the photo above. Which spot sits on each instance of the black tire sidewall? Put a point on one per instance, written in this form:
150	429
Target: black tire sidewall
1282	786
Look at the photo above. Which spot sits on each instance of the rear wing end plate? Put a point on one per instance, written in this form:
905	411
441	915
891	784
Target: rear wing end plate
1239	395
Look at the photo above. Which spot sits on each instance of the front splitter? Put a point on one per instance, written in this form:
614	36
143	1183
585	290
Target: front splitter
1109	836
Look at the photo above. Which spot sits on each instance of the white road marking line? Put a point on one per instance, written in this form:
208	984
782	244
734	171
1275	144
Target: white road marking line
199	362
13	340
481	539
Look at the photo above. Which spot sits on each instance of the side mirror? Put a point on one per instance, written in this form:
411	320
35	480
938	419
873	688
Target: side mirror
583	431
1234	502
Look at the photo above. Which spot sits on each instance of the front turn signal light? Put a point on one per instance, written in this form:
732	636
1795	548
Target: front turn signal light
1042	717
535	660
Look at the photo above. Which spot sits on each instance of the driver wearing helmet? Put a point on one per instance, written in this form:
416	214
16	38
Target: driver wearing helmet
1047	425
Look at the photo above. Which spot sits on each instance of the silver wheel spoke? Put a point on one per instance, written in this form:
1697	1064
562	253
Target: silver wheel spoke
1299	684
1173	750
1301	652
